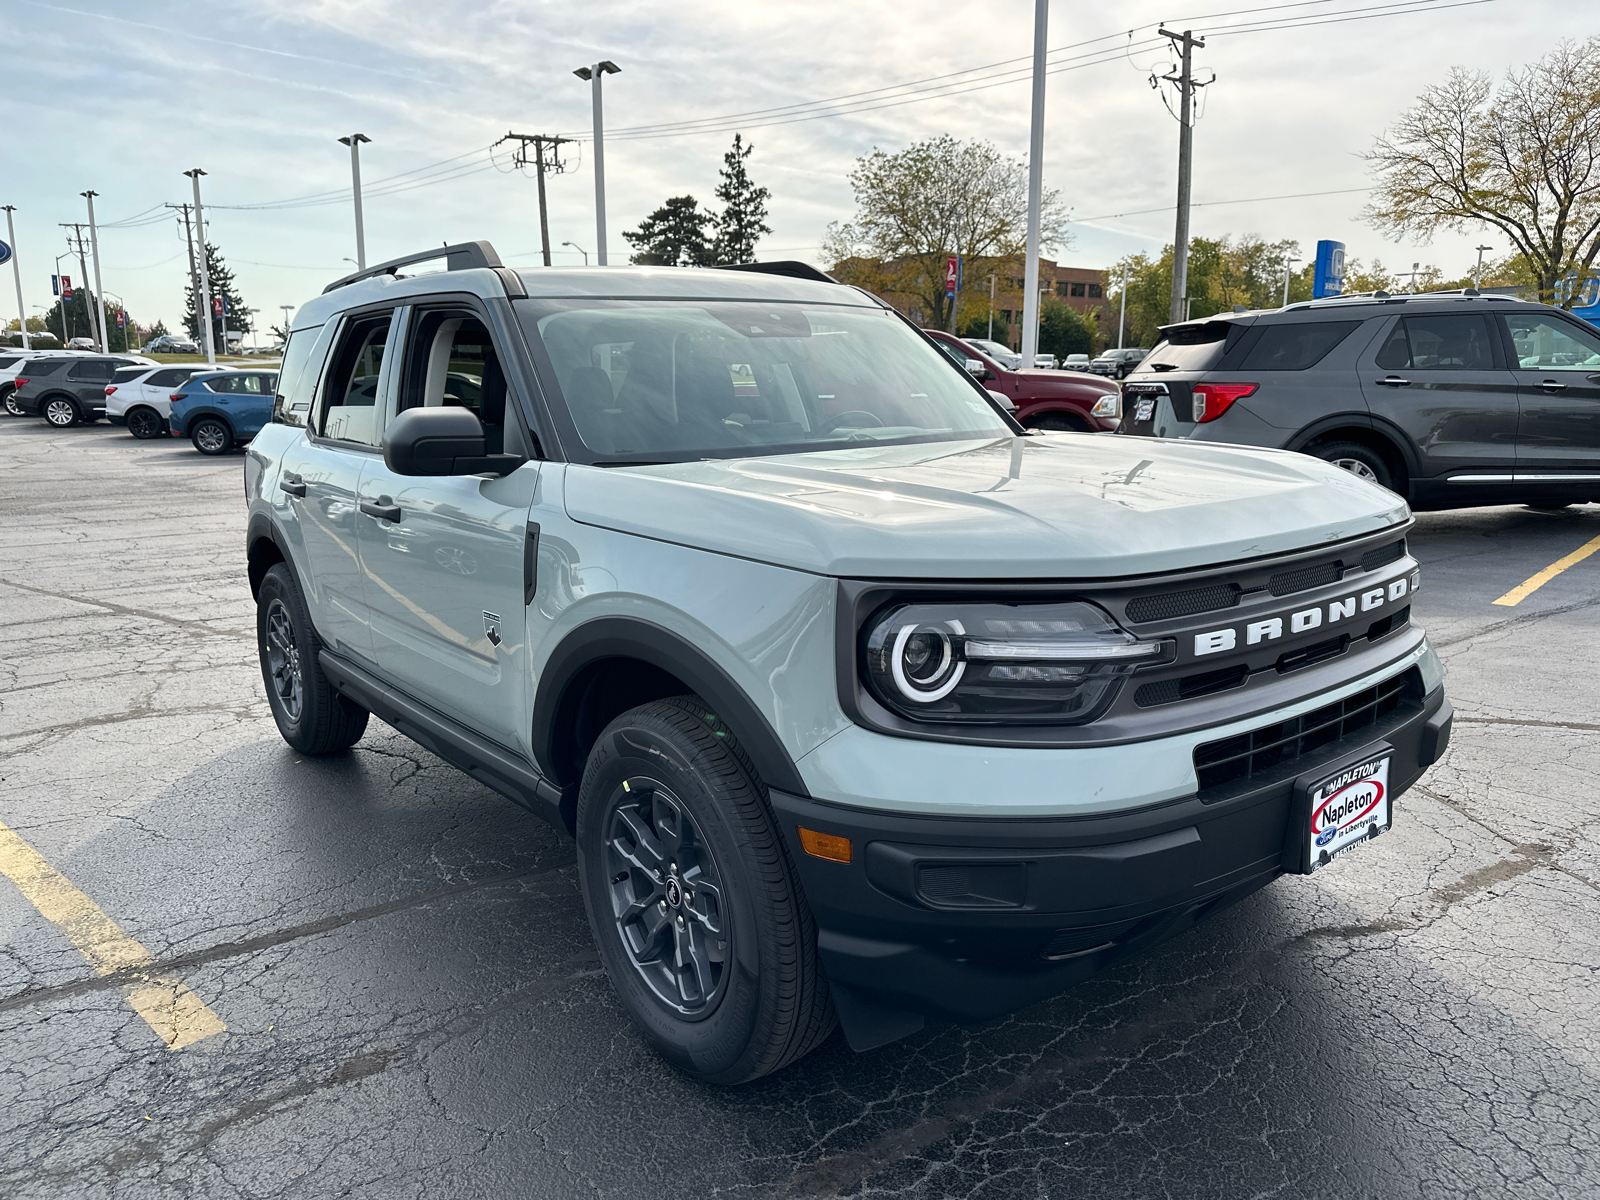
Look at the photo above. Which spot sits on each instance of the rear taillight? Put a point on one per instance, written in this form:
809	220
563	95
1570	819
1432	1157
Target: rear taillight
1211	400
175	396
19	381
109	390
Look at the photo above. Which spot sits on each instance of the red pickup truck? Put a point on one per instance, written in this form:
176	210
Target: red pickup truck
1044	399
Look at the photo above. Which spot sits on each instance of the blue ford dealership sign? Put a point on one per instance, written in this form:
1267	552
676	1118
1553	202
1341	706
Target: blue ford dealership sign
1328	278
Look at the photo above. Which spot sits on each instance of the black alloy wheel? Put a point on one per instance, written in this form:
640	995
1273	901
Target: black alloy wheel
692	897
211	436
310	715
61	412
146	423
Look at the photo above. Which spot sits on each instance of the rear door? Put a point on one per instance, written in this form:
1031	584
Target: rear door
444	563
1442	379
1557	369
87	380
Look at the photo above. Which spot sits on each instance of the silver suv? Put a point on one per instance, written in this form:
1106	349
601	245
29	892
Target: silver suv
862	703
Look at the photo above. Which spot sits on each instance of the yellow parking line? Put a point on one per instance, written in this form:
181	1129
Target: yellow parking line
179	1017
1525	589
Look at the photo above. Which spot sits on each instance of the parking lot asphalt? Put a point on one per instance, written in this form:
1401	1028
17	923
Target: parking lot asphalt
413	1005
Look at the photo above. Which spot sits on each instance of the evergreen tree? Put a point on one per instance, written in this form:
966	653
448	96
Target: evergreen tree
237	318
744	208
673	236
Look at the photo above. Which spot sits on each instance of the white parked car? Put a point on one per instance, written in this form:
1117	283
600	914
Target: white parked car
82	344
1044	362
11	363
141	396
1004	355
1075	362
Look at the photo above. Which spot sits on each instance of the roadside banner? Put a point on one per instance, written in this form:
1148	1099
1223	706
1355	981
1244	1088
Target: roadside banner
66	287
55	285
952	276
1328	277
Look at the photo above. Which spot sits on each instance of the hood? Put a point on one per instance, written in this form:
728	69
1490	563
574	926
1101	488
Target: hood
1039	375
1052	506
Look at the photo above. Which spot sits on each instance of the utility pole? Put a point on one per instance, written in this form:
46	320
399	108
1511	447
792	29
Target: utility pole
188	242
540	142
1288	265
16	273
1030	287
89	298
991	306
94	248
594	74
354	142
1122	318
1477	271
205	269
1180	238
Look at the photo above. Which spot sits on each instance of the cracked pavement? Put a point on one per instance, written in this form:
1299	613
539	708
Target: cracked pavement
415	1008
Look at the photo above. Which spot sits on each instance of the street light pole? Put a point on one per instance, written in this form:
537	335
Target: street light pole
1122	318
16	273
580	250
1477	271
205	269
94	249
1030	287
354	142
1288	264
991	306
594	74
66	329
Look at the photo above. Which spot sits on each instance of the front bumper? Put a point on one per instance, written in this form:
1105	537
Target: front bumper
966	919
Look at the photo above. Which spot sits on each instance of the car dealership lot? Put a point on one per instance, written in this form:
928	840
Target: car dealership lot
413	1004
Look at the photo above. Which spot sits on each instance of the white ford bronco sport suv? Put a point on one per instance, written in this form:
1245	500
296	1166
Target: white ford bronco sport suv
862	703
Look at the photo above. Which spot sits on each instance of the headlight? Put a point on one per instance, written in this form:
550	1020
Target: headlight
1109	406
1041	664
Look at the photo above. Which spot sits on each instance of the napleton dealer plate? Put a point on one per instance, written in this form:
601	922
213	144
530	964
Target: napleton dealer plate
1344	809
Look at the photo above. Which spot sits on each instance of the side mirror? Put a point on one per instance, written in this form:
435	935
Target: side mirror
975	367
441	441
1005	402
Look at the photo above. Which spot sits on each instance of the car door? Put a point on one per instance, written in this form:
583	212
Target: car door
320	479
1557	368
254	403
444	557
87	382
1441	378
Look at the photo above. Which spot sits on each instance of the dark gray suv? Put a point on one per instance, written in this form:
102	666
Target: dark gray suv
69	390
1451	399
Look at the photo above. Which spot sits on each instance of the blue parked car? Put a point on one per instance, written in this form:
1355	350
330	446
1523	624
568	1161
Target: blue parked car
219	410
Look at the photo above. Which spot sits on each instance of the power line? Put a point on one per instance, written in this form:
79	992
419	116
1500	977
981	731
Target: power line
1139	212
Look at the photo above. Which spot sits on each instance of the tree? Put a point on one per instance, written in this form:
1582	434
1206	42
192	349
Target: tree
1063	330
673	236
933	199
744	209
1524	160
237	317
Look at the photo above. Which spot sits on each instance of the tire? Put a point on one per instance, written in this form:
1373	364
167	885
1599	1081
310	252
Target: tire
61	412
211	436
1059	422
146	423
1359	460
678	854
12	410
311	716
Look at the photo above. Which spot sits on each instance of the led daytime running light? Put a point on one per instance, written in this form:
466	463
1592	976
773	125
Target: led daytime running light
1058	651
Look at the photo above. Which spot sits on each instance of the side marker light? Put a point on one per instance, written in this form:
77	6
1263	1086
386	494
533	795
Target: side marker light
825	845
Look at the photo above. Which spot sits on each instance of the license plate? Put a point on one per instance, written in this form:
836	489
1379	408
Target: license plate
1145	411
1340	811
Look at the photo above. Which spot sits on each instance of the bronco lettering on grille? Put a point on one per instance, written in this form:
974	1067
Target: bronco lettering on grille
1270	629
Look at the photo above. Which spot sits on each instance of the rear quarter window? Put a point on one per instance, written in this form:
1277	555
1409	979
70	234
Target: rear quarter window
1189	348
128	374
1295	347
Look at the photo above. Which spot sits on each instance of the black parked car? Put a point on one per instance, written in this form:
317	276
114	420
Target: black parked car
67	391
1451	399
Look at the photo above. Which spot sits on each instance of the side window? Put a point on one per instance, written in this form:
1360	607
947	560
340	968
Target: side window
1444	343
1295	347
296	378
94	370
452	361
168	378
350	388
1545	343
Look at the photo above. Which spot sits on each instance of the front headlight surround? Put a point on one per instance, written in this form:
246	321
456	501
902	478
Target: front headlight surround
999	662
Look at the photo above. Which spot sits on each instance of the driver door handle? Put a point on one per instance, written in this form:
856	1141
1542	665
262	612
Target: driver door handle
1394	381
292	484
383	508
1551	385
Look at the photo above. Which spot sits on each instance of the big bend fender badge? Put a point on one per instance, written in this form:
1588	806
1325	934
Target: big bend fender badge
491	628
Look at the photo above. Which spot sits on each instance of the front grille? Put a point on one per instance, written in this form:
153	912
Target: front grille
1387	625
1170	691
1383	555
1168	606
1275	751
1287	582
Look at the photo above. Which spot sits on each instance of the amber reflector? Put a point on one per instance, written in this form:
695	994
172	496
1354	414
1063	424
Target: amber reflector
824	845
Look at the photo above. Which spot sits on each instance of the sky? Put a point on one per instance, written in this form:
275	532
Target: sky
123	98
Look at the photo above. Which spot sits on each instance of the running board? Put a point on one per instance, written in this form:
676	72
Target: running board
493	766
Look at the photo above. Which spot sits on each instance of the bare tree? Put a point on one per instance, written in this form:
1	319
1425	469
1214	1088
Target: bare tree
932	199
1525	160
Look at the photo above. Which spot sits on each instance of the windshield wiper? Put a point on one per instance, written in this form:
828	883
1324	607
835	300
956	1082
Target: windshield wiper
1163	366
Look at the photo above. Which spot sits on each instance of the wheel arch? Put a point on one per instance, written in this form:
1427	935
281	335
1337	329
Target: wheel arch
612	664
198	414
263	552
1376	433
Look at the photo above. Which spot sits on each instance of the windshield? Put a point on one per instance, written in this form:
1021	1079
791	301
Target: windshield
665	381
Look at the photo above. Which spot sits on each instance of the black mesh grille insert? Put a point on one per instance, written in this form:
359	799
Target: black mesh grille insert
1383	555
1067	942
1169	691
1286	582
1275	750
1169	605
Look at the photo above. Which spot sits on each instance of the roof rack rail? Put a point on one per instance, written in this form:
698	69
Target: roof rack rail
1403	297
793	268
463	256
